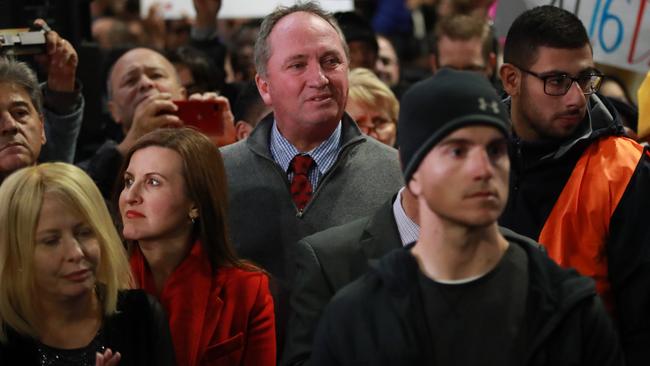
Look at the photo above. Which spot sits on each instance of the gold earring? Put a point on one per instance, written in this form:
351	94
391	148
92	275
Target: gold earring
193	217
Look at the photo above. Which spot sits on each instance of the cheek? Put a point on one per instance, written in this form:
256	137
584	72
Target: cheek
46	263
165	86
387	131
93	252
503	174
170	206
35	129
122	201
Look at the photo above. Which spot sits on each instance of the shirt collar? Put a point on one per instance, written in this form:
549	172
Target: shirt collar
408	230
324	154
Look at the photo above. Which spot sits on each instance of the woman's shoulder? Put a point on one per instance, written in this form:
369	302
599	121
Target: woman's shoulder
232	275
243	281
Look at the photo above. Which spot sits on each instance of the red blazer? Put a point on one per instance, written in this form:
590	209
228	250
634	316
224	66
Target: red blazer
221	319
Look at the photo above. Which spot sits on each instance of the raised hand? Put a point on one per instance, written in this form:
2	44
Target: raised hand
60	60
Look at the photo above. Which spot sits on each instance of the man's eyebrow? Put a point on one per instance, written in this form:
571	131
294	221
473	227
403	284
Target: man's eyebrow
329	53
586	70
155	68
455	141
129	73
464	141
590	70
20	103
294	58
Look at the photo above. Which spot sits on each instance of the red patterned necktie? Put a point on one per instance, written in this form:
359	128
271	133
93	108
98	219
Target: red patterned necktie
301	188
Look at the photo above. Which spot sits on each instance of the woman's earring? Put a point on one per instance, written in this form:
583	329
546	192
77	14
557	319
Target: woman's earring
193	217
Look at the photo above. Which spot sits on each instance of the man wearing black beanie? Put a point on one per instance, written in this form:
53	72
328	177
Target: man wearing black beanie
463	293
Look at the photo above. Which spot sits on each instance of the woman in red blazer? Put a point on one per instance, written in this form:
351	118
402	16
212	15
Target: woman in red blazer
173	210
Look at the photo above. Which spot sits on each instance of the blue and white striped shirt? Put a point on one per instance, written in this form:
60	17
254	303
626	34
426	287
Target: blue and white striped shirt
324	155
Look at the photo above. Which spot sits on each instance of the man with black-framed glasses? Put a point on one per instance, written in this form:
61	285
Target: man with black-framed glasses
577	185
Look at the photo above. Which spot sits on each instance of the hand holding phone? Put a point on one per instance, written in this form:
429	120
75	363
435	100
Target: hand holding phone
206	115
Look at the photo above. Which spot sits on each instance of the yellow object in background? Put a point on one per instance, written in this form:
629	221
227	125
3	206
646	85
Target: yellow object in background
644	108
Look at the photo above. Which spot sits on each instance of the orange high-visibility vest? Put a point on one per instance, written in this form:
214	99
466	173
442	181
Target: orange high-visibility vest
577	228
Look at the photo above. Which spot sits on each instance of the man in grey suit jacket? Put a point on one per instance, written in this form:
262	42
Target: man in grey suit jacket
327	261
302	74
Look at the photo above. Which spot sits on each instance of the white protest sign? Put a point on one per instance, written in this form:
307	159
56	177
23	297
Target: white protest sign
235	8
619	29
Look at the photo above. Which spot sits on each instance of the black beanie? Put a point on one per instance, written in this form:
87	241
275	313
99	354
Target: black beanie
435	107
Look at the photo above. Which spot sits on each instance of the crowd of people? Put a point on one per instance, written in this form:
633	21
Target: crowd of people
381	191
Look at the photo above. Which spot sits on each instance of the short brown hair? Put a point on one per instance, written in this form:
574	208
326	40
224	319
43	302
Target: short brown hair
461	27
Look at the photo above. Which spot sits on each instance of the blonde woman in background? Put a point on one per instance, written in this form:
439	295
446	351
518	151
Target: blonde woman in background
373	106
65	278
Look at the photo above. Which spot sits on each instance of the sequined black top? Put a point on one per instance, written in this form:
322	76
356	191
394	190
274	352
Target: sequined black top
138	330
85	356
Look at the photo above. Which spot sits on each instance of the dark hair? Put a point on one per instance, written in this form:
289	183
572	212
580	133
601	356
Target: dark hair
461	27
241	47
356	28
205	181
547	26
249	105
262	46
207	77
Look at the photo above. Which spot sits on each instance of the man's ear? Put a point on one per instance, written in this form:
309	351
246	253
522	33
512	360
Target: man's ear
511	79
242	129
413	185
263	88
115	112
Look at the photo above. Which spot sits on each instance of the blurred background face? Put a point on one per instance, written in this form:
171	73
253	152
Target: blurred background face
137	75
154	204
67	252
373	120
387	64
362	55
21	129
462	55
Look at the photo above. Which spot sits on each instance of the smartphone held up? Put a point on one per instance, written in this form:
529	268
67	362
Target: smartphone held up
206	116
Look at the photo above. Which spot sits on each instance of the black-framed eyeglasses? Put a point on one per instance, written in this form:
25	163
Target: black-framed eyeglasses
559	84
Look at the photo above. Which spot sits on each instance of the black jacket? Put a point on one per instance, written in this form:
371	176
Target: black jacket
326	262
379	319
139	331
539	172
